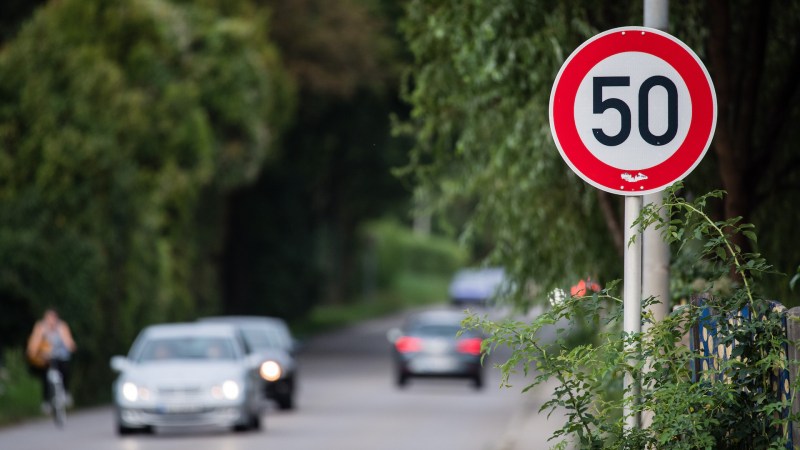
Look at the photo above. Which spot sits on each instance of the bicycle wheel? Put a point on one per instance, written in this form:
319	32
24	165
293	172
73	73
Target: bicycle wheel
58	397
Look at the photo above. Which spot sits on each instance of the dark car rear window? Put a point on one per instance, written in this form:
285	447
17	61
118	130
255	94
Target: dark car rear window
437	330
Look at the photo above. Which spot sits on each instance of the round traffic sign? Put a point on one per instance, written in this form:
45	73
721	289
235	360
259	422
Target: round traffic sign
633	110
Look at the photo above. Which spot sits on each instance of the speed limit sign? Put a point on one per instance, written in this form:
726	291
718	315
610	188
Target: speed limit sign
633	110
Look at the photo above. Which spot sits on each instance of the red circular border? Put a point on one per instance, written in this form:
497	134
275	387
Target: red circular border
660	45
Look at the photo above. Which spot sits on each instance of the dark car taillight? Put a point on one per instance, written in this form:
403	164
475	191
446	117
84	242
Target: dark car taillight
408	344
470	346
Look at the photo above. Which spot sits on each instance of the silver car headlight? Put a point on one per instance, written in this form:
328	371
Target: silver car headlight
133	392
270	370
229	390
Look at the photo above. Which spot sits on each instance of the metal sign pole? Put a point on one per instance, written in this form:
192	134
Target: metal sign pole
655	250
655	253
633	60
632	297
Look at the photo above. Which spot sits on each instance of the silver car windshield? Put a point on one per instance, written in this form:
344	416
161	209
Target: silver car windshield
183	348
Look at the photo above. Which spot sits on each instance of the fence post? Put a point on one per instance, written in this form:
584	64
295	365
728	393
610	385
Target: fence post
793	335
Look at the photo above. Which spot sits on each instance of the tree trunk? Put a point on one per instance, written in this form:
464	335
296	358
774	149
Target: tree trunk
736	101
612	222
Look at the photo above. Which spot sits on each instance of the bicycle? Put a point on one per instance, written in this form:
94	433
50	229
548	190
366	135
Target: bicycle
57	395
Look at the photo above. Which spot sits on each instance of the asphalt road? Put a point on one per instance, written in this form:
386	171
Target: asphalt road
347	401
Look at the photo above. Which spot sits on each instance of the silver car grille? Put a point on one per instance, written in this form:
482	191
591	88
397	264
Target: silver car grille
181	391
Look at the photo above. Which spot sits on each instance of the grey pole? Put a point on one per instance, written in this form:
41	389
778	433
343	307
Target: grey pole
632	298
655	274
656	14
655	252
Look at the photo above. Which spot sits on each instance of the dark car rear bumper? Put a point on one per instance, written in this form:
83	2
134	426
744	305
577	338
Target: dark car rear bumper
282	388
440	366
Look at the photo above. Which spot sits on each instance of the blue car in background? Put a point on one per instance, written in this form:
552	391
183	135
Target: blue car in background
476	286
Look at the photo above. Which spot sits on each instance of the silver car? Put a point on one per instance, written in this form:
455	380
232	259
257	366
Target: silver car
186	374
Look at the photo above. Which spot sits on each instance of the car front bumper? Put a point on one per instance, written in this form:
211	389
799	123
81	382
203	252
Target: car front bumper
163	417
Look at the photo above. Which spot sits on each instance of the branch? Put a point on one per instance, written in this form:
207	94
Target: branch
562	378
728	246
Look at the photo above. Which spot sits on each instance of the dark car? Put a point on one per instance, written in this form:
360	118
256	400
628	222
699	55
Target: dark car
429	345
270	339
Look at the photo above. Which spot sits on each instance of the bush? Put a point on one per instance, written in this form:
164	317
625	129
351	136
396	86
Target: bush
20	392
728	405
397	251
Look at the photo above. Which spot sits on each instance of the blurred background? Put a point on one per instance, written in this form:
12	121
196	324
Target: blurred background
166	160
330	161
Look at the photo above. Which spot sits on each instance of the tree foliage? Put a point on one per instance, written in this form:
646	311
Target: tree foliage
335	48
12	14
480	87
121	125
333	172
726	399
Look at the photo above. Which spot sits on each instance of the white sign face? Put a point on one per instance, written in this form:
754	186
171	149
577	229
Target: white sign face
632	111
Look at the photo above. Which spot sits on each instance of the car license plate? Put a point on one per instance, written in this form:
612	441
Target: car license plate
437	346
433	365
179	409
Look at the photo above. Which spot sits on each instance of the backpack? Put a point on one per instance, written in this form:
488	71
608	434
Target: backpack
41	356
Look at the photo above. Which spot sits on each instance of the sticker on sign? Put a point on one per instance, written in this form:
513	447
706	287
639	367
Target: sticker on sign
633	110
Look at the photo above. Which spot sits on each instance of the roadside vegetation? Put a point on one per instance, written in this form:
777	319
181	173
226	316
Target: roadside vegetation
162	160
484	157
401	270
730	397
484	160
20	393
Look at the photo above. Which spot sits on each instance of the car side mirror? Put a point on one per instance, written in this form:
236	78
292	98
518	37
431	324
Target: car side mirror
119	363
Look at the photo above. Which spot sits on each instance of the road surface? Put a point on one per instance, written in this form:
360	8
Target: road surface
346	401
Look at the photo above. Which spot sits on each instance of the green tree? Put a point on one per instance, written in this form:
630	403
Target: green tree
726	397
754	59
480	89
122	124
333	172
13	13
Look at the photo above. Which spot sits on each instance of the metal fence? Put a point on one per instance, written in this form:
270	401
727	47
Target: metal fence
712	338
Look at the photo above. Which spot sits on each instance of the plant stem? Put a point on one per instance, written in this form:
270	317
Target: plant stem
728	245
559	373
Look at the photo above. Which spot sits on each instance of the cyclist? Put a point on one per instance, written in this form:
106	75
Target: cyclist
51	343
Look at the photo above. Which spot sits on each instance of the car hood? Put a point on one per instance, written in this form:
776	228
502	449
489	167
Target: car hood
185	372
